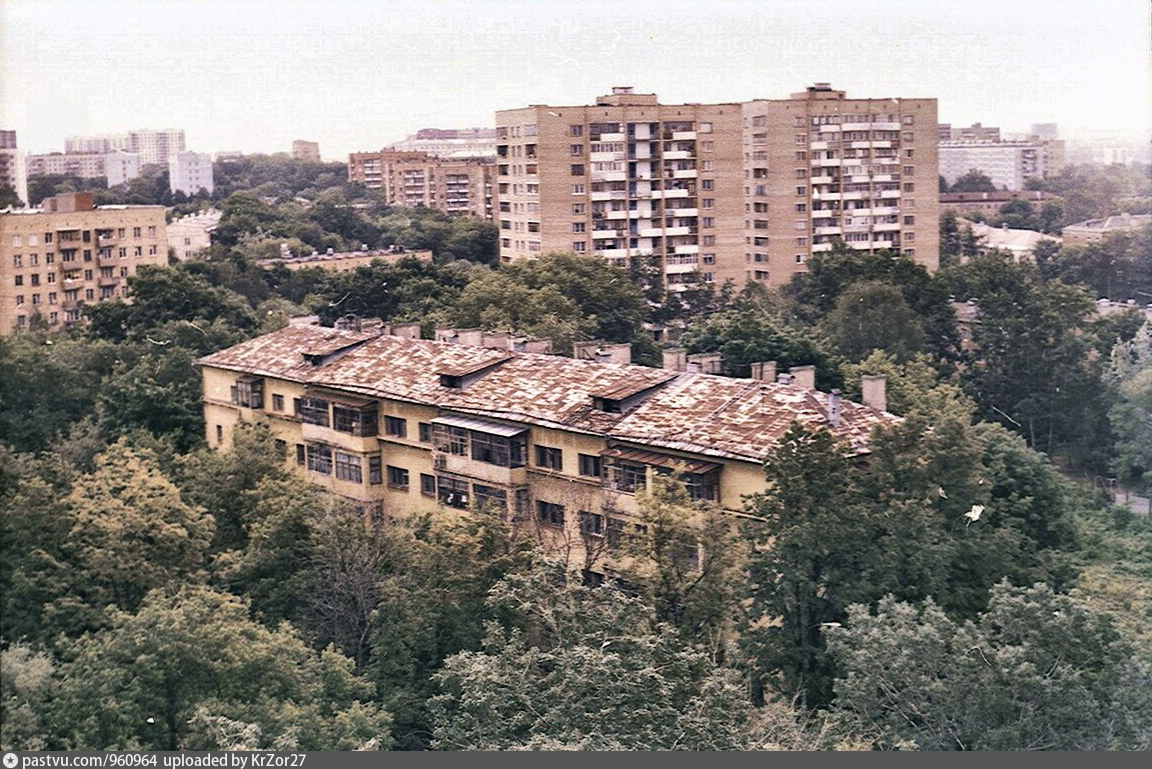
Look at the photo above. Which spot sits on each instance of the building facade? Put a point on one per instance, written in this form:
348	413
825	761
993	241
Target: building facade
55	259
1097	230
344	261
306	151
626	178
13	170
717	192
557	444
190	235
1009	164
456	186
190	172
116	167
153	146
821	168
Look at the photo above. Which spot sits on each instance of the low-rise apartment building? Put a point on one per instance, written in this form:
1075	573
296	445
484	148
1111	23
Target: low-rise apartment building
413	178
55	259
561	444
343	261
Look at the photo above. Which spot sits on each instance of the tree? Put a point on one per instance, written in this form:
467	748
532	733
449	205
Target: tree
132	531
1033	368
871	315
1036	671
137	684
26	686
588	669
973	181
162	394
746	336
1130	378
686	560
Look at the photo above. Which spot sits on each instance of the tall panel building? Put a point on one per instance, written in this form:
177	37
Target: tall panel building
153	146
625	178
189	172
821	167
712	192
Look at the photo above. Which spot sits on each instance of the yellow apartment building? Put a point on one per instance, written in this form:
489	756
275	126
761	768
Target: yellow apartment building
55	259
557	444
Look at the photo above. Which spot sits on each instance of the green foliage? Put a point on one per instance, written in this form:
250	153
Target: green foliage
591	670
137	684
831	274
26	684
686	560
871	315
132	532
410	289
1118	268
973	181
750	335
1034	370
1130	379
161	393
1036	671
1092	190
913	388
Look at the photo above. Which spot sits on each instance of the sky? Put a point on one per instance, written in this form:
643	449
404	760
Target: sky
253	75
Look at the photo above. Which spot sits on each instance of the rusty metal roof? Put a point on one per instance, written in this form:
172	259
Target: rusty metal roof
695	413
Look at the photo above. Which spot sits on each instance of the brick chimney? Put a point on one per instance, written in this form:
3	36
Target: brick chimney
875	391
805	376
675	359
765	371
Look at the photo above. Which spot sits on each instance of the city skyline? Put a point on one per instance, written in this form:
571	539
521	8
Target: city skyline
356	76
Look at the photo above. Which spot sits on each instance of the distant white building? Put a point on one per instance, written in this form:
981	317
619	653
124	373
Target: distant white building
1007	164
153	146
190	235
1019	243
189	172
451	142
117	166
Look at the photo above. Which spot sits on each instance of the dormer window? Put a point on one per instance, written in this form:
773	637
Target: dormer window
449	380
607	405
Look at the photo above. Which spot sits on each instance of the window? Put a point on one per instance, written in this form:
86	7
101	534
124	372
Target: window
249	392
425	431
313	411
135	232
707	184
397	478
801	207
396	426
577	149
489	499
709	240
707	146
799	258
909	170
550	458
909	236
35	299
576	130
626	477
577	189
453	440
577	169
580	245
579	208
19	280
909	154
589	465
35	279
219	432
801	156
707	221
707	165
499	450
452	492
354	421
577	226
348	467
708	259
708	202
908	136
19	300
320	458
374	475
705	128
549	513
909	220
909	119
427	485
591	524
277	402
17	261
801	190
909	187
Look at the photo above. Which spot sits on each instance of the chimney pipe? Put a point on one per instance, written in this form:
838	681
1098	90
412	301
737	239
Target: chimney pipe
875	391
834	401
764	371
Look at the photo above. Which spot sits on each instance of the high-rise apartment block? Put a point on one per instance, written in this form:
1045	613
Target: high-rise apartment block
717	192
151	145
190	172
306	151
55	259
12	168
457	186
1009	161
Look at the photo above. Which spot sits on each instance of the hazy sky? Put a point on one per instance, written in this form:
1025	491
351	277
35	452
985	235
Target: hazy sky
356	75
